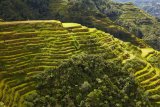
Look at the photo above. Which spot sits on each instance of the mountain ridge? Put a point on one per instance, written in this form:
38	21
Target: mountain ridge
150	6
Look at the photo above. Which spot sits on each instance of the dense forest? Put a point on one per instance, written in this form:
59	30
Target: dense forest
79	83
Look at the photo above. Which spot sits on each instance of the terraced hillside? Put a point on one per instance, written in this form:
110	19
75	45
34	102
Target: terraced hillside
102	14
147	75
28	48
140	23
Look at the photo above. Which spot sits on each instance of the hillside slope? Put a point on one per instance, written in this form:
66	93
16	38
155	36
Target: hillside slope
140	23
105	15
150	6
128	16
102	14
28	48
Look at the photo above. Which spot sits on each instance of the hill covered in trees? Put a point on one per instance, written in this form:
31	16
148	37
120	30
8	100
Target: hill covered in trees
38	67
150	6
129	21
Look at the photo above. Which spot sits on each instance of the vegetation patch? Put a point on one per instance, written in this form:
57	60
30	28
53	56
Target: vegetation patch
88	81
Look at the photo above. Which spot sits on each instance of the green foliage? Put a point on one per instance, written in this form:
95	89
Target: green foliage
154	60
23	9
2	65
2	104
75	43
33	47
88	81
102	14
134	65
